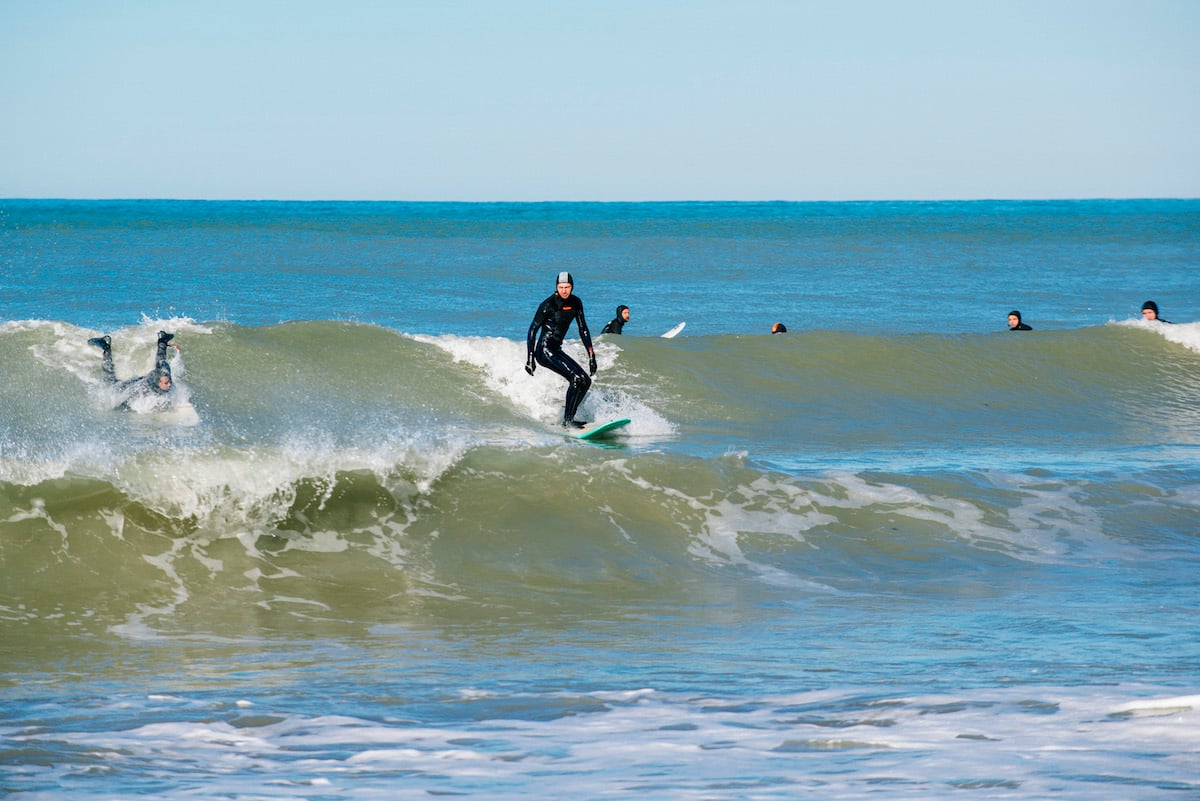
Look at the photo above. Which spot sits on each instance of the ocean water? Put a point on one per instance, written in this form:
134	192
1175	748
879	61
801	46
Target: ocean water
898	552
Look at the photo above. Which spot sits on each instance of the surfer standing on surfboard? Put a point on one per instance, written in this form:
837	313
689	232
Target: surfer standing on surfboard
544	344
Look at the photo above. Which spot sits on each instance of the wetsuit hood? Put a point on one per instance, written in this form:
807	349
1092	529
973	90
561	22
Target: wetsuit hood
154	379
619	310
1152	306
1015	313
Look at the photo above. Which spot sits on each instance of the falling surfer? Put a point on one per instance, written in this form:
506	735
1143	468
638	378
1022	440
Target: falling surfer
151	392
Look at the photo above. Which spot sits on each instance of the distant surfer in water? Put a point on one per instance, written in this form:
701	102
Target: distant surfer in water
779	328
544	344
1150	313
156	385
1015	324
615	325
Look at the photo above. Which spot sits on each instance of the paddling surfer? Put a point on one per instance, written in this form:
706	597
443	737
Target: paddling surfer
543	344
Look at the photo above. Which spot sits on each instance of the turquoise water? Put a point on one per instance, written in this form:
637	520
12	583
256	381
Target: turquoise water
476	269
897	552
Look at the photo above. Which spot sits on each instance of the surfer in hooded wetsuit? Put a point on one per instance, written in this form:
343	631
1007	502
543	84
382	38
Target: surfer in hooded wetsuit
1015	323
615	325
1150	313
156	384
543	344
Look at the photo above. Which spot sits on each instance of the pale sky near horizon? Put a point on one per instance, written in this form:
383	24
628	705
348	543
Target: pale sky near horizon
531	100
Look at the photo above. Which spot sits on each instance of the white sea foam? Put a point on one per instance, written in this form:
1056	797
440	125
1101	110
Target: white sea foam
1008	742
540	396
755	522
1186	334
231	489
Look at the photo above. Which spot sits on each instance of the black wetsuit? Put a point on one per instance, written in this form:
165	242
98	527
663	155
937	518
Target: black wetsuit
550	324
1021	325
615	325
131	389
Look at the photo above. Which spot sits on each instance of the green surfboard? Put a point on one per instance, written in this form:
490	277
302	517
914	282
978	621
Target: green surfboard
599	430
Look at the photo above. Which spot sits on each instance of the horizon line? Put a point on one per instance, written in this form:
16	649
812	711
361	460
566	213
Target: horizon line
186	199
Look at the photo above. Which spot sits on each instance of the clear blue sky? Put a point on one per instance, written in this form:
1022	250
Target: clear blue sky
600	99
